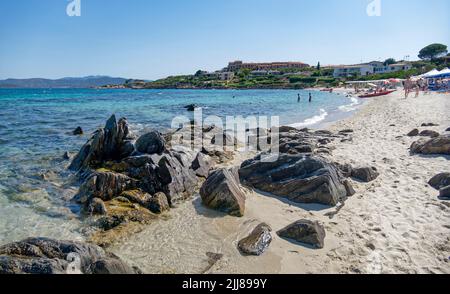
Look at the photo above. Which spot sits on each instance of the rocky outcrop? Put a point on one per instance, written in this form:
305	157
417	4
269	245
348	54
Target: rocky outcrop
222	192
439	145
365	174
299	178
105	186
110	143
47	256
257	242
305	231
151	143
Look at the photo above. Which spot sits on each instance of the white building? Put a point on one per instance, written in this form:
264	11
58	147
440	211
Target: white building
365	69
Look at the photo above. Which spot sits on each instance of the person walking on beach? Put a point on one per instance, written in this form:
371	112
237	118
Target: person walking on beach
407	87
310	97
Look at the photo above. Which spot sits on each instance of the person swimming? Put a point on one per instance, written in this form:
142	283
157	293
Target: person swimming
310	97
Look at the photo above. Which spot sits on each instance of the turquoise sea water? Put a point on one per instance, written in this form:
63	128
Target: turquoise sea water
35	127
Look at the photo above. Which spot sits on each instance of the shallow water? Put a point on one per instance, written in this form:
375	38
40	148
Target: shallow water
35	127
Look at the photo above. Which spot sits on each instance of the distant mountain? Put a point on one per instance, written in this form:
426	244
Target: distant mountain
84	82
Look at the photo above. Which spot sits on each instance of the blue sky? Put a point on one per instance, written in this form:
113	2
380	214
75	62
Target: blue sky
155	38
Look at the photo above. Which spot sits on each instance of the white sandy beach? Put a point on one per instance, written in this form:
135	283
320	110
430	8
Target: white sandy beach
395	224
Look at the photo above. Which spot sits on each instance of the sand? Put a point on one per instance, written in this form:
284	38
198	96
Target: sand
395	224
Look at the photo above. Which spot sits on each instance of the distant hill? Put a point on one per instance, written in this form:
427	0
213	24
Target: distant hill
84	82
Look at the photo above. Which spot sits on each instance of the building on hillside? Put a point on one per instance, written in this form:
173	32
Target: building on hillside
238	65
226	75
265	73
365	69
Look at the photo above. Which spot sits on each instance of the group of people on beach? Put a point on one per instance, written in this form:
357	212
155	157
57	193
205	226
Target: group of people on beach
419	85
300	98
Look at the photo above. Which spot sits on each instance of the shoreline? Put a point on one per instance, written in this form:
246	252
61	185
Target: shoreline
389	226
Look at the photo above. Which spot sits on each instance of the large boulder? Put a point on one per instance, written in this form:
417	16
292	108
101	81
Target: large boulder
110	143
222	192
439	145
257	242
151	143
365	174
305	231
299	178
47	256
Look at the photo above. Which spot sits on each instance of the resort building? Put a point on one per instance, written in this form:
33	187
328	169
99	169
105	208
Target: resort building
238	65
365	69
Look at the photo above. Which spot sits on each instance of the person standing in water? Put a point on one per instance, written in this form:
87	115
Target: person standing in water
310	98
299	98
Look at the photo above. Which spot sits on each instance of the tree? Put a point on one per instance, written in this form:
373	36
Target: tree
318	66
433	51
389	61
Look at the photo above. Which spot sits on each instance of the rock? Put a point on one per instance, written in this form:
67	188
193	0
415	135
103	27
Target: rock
346	132
104	185
428	133
78	131
191	107
151	143
221	192
257	242
349	188
346	169
365	174
47	256
287	129
439	145
202	165
108	223
413	133
66	156
444	192
299	178
305	231
440	181
136	196
158	203
447	130
106	144
97	207
429	125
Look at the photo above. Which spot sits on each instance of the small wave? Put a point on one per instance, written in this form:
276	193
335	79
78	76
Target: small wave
312	121
351	106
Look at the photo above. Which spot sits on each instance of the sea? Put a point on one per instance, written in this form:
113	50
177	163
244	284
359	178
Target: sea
36	130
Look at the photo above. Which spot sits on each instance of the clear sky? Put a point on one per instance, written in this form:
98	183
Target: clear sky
154	38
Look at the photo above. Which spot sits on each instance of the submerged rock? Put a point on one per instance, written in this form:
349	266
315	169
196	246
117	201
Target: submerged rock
257	242
439	145
305	231
191	107
97	207
365	174
221	192
299	178
47	256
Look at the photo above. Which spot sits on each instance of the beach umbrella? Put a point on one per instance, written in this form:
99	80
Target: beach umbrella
445	72
430	74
